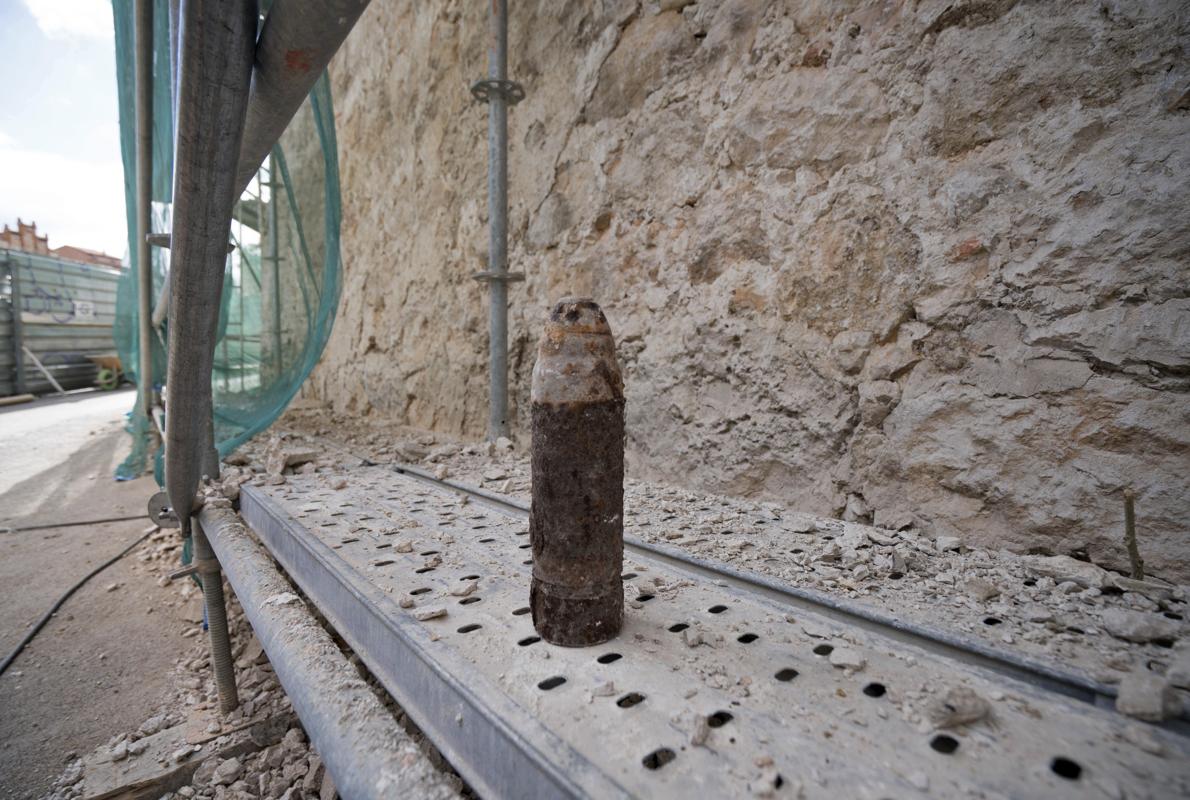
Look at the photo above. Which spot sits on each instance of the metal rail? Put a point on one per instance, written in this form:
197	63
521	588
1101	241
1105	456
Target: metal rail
215	63
962	648
368	754
297	40
215	57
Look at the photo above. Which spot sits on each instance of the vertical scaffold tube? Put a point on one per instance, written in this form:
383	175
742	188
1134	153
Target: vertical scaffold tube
144	208
216	47
498	223
212	593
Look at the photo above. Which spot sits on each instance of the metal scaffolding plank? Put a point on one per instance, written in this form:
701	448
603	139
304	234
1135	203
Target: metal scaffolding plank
712	687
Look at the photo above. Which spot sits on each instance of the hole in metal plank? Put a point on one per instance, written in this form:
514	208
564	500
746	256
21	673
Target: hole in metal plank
658	758
466	601
430	553
678	627
525	546
488	540
521	610
1066	768
608	658
717	609
469	578
474	626
422	590
644	598
528	640
627	576
719	719
747	638
823	650
551	683
992	620
874	689
786	675
944	744
631	699
424	570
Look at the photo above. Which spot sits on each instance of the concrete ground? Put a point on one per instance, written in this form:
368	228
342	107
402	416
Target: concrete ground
102	664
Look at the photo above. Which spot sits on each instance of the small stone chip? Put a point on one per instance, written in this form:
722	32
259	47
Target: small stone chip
960	706
227	772
465	589
423	614
605	689
846	658
1148	696
980	590
403	546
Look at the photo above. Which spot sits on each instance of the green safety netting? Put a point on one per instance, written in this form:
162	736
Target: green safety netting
281	286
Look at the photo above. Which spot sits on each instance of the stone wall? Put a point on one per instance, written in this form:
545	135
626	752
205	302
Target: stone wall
911	263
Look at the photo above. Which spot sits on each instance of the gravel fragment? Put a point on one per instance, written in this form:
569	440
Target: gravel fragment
1148	696
1138	626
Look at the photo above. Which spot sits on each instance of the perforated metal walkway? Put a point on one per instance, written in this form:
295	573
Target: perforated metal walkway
711	690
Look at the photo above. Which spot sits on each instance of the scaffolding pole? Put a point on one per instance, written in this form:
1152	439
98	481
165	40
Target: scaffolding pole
144	206
275	261
499	93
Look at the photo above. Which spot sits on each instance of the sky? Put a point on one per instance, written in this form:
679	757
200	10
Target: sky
59	122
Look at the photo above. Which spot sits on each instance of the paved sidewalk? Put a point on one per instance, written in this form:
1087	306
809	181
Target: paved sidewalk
101	665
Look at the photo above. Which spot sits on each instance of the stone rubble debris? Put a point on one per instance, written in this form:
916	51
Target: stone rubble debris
1058	608
1049	607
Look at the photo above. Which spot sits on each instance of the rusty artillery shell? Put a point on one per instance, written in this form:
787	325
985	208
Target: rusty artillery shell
576	524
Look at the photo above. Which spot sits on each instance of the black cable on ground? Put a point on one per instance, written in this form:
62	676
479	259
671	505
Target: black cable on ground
37	626
51	526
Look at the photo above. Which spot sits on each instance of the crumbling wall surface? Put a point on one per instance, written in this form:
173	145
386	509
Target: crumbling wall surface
911	263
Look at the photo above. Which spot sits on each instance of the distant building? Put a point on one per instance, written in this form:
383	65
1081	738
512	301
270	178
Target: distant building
71	253
26	239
